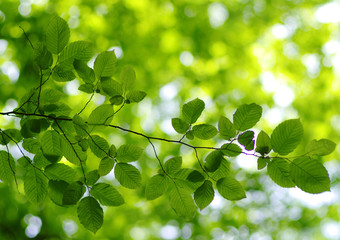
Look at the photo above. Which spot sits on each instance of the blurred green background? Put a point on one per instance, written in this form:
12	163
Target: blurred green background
283	55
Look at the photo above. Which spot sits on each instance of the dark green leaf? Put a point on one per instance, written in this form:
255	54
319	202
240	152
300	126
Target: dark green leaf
105	64
113	151
135	96
31	145
105	166
79	50
87	88
84	72
309	175
287	136
117	100
204	131
73	153
80	126
278	170
60	171
57	34
173	165
246	116
263	144
246	139
40	161
179	125
231	149
189	135
9	135
195	176
222	171
42	56
156	186
7	167
129	153
128	175
230	189
92	177
226	128
99	146
192	110
182	202
56	191
320	147
204	194
35	184
73	193
50	95
61	74
90	214
51	145
111	87
107	194
213	161
262	162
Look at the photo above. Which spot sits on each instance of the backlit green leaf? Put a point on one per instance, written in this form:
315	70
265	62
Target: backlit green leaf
86	88
182	202
42	56
320	147
90	214
51	145
173	165
204	194
92	177
105	64
105	166
129	153
231	149
192	110
128	175
263	144
309	175
31	145
101	115
84	71
226	128
204	131
57	34
230	189
246	139
7	167
56	191
287	136
73	193
10	134
213	161
35	184
60	171
278	170
111	87
156	186
107	194
128	77
79	50
262	162
135	96
179	125
99	146
246	116
61	74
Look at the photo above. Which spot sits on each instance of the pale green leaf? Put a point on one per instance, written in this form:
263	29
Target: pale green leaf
309	175
111	87
192	110
320	147
35	184
105	166
182	203
278	170
79	50
222	171
263	144
62	74
128	175
31	145
51	145
156	186
90	214
101	115
105	64
204	194
107	194
10	134
135	96
129	153
173	165
179	125
128	77
60	171
73	153
231	149
86	88
99	146
7	167
226	128
92	177
246	116
287	136
204	131
230	188
42	56
57	34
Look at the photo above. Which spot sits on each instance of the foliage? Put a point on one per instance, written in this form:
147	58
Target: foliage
63	143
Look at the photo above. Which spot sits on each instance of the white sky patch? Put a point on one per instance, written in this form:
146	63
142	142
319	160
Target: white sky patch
167	128
25	9
269	83
331	229
218	14
331	47
284	96
70	227
218	202
328	13
34	225
11	70
290	50
3	46
280	31
274	115
71	88
247	163
186	58
118	51
138	233
312	64
313	200
169	91
169	232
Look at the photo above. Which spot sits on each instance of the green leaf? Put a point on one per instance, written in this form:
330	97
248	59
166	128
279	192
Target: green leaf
92	177
73	193
84	72
90	214
263	143
135	96
173	165
57	34
111	87
182	202
231	149
35	184
204	194
101	115
40	161
278	170
204	131
51	145
262	162
320	147
246	116
10	134
117	100
73	153
80	126
31	145
60	171
79	50
192	110
246	139
61	74
179	125
156	186
187	178
50	95
7	167
195	176
129	153
107	194
213	161
42	56
287	136
222	171
113	151
56	191
86	88
99	146
226	128
189	135
128	175
230	189
128	77
105	64
309	175
105	166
